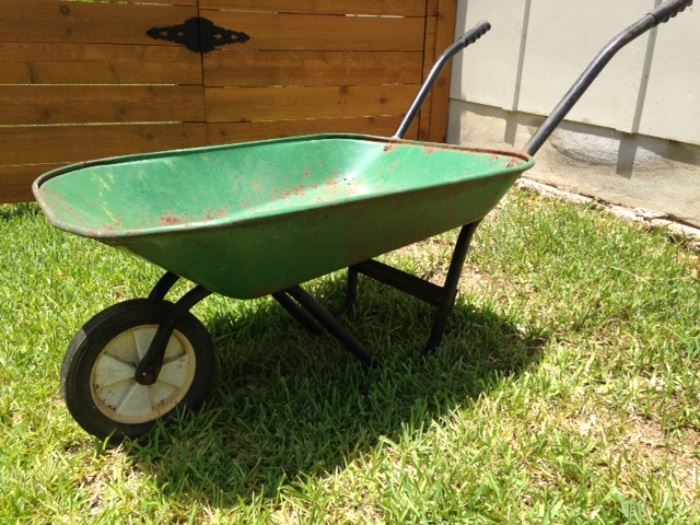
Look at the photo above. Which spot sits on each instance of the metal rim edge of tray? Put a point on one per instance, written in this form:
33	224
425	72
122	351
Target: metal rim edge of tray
527	160
527	163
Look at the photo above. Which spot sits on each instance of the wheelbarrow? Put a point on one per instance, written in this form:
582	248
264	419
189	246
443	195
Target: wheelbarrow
256	219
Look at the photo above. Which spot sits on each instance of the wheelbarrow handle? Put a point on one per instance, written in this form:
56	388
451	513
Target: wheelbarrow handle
466	39
658	16
665	12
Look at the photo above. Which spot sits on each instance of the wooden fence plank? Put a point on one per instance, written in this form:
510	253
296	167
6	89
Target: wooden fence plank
55	144
59	63
80	104
428	61
447	20
247	131
322	32
365	7
166	2
75	22
162	2
255	104
16	181
311	68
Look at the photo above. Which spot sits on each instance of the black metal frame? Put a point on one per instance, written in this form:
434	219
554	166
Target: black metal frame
467	38
149	367
443	297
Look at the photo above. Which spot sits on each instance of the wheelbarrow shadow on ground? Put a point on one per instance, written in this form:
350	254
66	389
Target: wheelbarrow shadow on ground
288	406
22	210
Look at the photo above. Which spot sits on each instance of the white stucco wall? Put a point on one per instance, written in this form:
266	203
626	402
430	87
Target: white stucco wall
642	115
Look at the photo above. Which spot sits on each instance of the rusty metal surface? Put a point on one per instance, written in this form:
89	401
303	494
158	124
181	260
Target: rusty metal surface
251	219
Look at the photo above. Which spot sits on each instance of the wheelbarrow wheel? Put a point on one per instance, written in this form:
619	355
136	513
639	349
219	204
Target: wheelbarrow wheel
97	376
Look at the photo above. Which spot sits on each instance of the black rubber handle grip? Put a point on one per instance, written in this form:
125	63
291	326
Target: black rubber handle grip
670	9
467	38
476	33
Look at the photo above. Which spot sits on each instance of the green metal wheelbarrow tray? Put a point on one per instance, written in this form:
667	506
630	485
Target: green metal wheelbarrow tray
256	219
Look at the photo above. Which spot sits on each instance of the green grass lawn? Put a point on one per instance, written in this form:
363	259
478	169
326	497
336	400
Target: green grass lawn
567	389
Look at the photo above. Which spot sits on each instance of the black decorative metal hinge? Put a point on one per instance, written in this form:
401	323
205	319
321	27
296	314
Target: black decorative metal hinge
199	35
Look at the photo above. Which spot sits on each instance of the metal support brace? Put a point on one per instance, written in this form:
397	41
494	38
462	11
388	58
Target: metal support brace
450	288
300	315
163	286
149	367
333	325
441	296
402	281
351	293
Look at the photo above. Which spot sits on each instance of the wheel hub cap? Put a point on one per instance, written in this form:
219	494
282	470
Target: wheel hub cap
118	395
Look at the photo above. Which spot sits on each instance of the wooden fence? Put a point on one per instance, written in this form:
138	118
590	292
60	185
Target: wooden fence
85	80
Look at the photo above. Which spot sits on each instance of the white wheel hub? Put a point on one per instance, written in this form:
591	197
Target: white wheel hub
116	393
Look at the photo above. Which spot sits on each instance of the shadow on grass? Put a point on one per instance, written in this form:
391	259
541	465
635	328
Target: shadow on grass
288	406
16	211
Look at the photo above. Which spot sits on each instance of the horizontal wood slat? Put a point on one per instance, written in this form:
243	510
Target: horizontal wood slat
191	3
95	23
16	181
55	144
80	104
255	104
322	32
249	131
311	68
365	7
58	63
166	2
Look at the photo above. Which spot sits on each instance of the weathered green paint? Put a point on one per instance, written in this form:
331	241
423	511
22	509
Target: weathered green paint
249	219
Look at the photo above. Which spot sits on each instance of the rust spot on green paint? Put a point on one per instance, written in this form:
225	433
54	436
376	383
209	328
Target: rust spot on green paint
299	190
392	168
170	220
217	214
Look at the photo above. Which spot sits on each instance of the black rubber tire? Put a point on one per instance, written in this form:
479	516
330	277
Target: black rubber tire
94	336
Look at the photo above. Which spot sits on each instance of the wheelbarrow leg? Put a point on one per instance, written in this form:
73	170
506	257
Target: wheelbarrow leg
351	293
300	315
443	297
333	325
450	287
